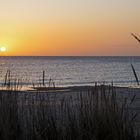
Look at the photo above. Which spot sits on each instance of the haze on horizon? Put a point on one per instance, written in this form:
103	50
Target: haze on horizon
69	27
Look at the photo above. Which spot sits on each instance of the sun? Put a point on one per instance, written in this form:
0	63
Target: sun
3	49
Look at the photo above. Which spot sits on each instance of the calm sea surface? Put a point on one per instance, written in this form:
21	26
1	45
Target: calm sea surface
71	71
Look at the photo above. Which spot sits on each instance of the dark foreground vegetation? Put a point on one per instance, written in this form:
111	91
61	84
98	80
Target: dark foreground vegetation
92	115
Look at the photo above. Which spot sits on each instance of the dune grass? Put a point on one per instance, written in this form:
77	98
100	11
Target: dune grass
92	115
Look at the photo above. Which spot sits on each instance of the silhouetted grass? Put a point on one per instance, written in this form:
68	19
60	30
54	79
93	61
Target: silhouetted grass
92	115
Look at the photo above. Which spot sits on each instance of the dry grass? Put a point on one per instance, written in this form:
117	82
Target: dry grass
92	115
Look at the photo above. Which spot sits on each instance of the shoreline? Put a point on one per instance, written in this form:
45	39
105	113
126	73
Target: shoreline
67	88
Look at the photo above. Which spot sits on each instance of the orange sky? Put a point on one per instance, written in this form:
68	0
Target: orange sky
64	27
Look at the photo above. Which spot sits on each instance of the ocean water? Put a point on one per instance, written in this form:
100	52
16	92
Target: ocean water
70	71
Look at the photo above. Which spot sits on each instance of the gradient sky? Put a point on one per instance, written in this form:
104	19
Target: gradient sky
69	27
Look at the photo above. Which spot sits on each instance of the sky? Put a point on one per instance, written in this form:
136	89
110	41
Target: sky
69	27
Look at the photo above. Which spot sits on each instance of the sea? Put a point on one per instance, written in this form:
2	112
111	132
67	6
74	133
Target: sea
65	71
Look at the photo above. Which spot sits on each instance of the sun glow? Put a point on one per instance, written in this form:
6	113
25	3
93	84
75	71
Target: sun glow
3	49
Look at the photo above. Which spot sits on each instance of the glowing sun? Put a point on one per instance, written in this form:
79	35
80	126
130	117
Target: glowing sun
3	49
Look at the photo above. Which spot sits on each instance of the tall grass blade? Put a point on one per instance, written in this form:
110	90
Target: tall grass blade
135	37
135	74
43	78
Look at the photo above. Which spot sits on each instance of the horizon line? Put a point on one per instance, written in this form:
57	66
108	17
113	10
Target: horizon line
70	56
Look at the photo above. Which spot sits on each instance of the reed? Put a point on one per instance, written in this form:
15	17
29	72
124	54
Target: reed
92	115
135	74
43	78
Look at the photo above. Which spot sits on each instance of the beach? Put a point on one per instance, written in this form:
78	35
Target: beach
69	98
